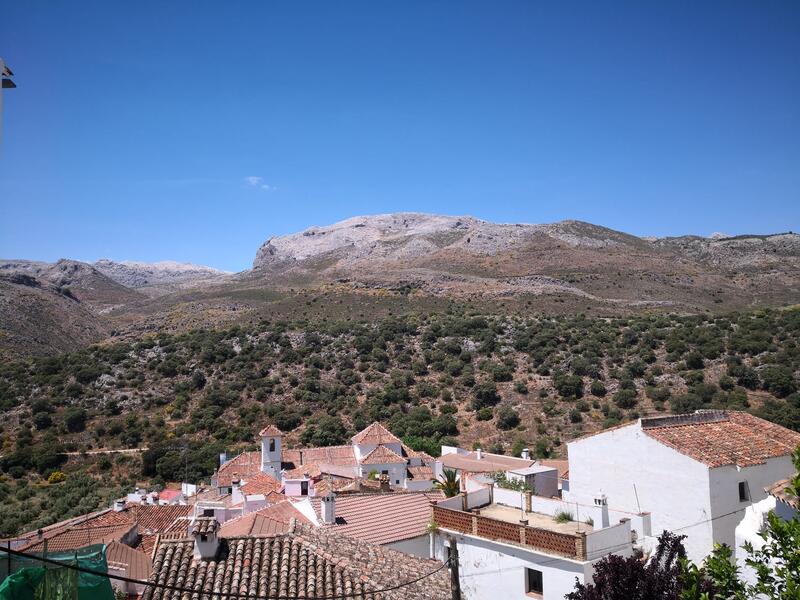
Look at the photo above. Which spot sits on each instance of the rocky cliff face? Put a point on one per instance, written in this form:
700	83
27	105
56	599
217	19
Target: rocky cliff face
415	235
159	277
464	256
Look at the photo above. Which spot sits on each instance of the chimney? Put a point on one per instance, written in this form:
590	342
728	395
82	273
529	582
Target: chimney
526	454
384	481
119	505
479	454
204	531
328	507
601	509
236	494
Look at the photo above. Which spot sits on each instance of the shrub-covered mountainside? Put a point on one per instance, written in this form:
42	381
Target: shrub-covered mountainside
500	382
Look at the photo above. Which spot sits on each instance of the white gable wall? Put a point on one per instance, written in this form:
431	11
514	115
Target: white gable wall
397	471
725	493
671	486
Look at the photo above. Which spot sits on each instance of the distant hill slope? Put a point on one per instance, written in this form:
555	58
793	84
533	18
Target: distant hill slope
464	256
158	278
370	267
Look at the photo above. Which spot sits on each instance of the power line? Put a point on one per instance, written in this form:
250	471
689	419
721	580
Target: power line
175	588
195	592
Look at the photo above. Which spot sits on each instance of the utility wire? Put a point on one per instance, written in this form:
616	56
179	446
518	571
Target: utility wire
337	597
200	593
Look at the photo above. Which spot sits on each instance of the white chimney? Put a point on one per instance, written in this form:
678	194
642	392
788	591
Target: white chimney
119	505
601	509
236	492
526	454
479	454
328	506
204	531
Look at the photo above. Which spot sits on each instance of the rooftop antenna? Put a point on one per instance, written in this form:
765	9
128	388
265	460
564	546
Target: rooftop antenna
6	83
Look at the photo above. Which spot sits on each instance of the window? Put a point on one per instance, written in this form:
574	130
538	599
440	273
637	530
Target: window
304	488
384	472
203	538
208	512
533	582
272	445
744	492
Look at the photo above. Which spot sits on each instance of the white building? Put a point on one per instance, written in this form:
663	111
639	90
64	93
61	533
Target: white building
696	474
510	546
375	451
779	501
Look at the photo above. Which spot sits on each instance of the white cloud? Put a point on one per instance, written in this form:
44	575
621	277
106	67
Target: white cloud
258	182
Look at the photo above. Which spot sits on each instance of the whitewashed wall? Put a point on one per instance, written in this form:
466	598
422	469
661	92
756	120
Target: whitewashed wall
671	486
417	546
493	570
724	486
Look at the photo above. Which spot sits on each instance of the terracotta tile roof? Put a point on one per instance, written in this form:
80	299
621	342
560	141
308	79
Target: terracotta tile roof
135	563
152	518
488	463
375	434
381	518
267	522
168	495
382	456
334	455
261	483
718	438
780	490
247	464
562	465
29	536
146	543
313	471
79	536
305	562
204	525
411	453
423	473
270	431
275	497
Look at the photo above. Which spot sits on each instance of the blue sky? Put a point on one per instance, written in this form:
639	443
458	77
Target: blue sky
136	125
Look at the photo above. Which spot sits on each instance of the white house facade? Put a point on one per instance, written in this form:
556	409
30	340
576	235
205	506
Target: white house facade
695	474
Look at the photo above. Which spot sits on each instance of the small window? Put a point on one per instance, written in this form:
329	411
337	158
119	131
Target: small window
397	482
384	472
272	445
744	492
203	538
304	488
533	582
208	512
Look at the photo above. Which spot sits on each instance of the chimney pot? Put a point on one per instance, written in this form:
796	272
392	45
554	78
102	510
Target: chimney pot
526	453
328	507
479	454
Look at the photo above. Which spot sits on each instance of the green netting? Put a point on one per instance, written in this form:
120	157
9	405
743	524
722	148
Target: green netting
28	579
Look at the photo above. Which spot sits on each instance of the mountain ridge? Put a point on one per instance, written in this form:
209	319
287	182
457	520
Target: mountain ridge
372	266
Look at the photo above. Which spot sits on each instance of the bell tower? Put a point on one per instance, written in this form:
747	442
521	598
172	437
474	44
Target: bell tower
271	451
